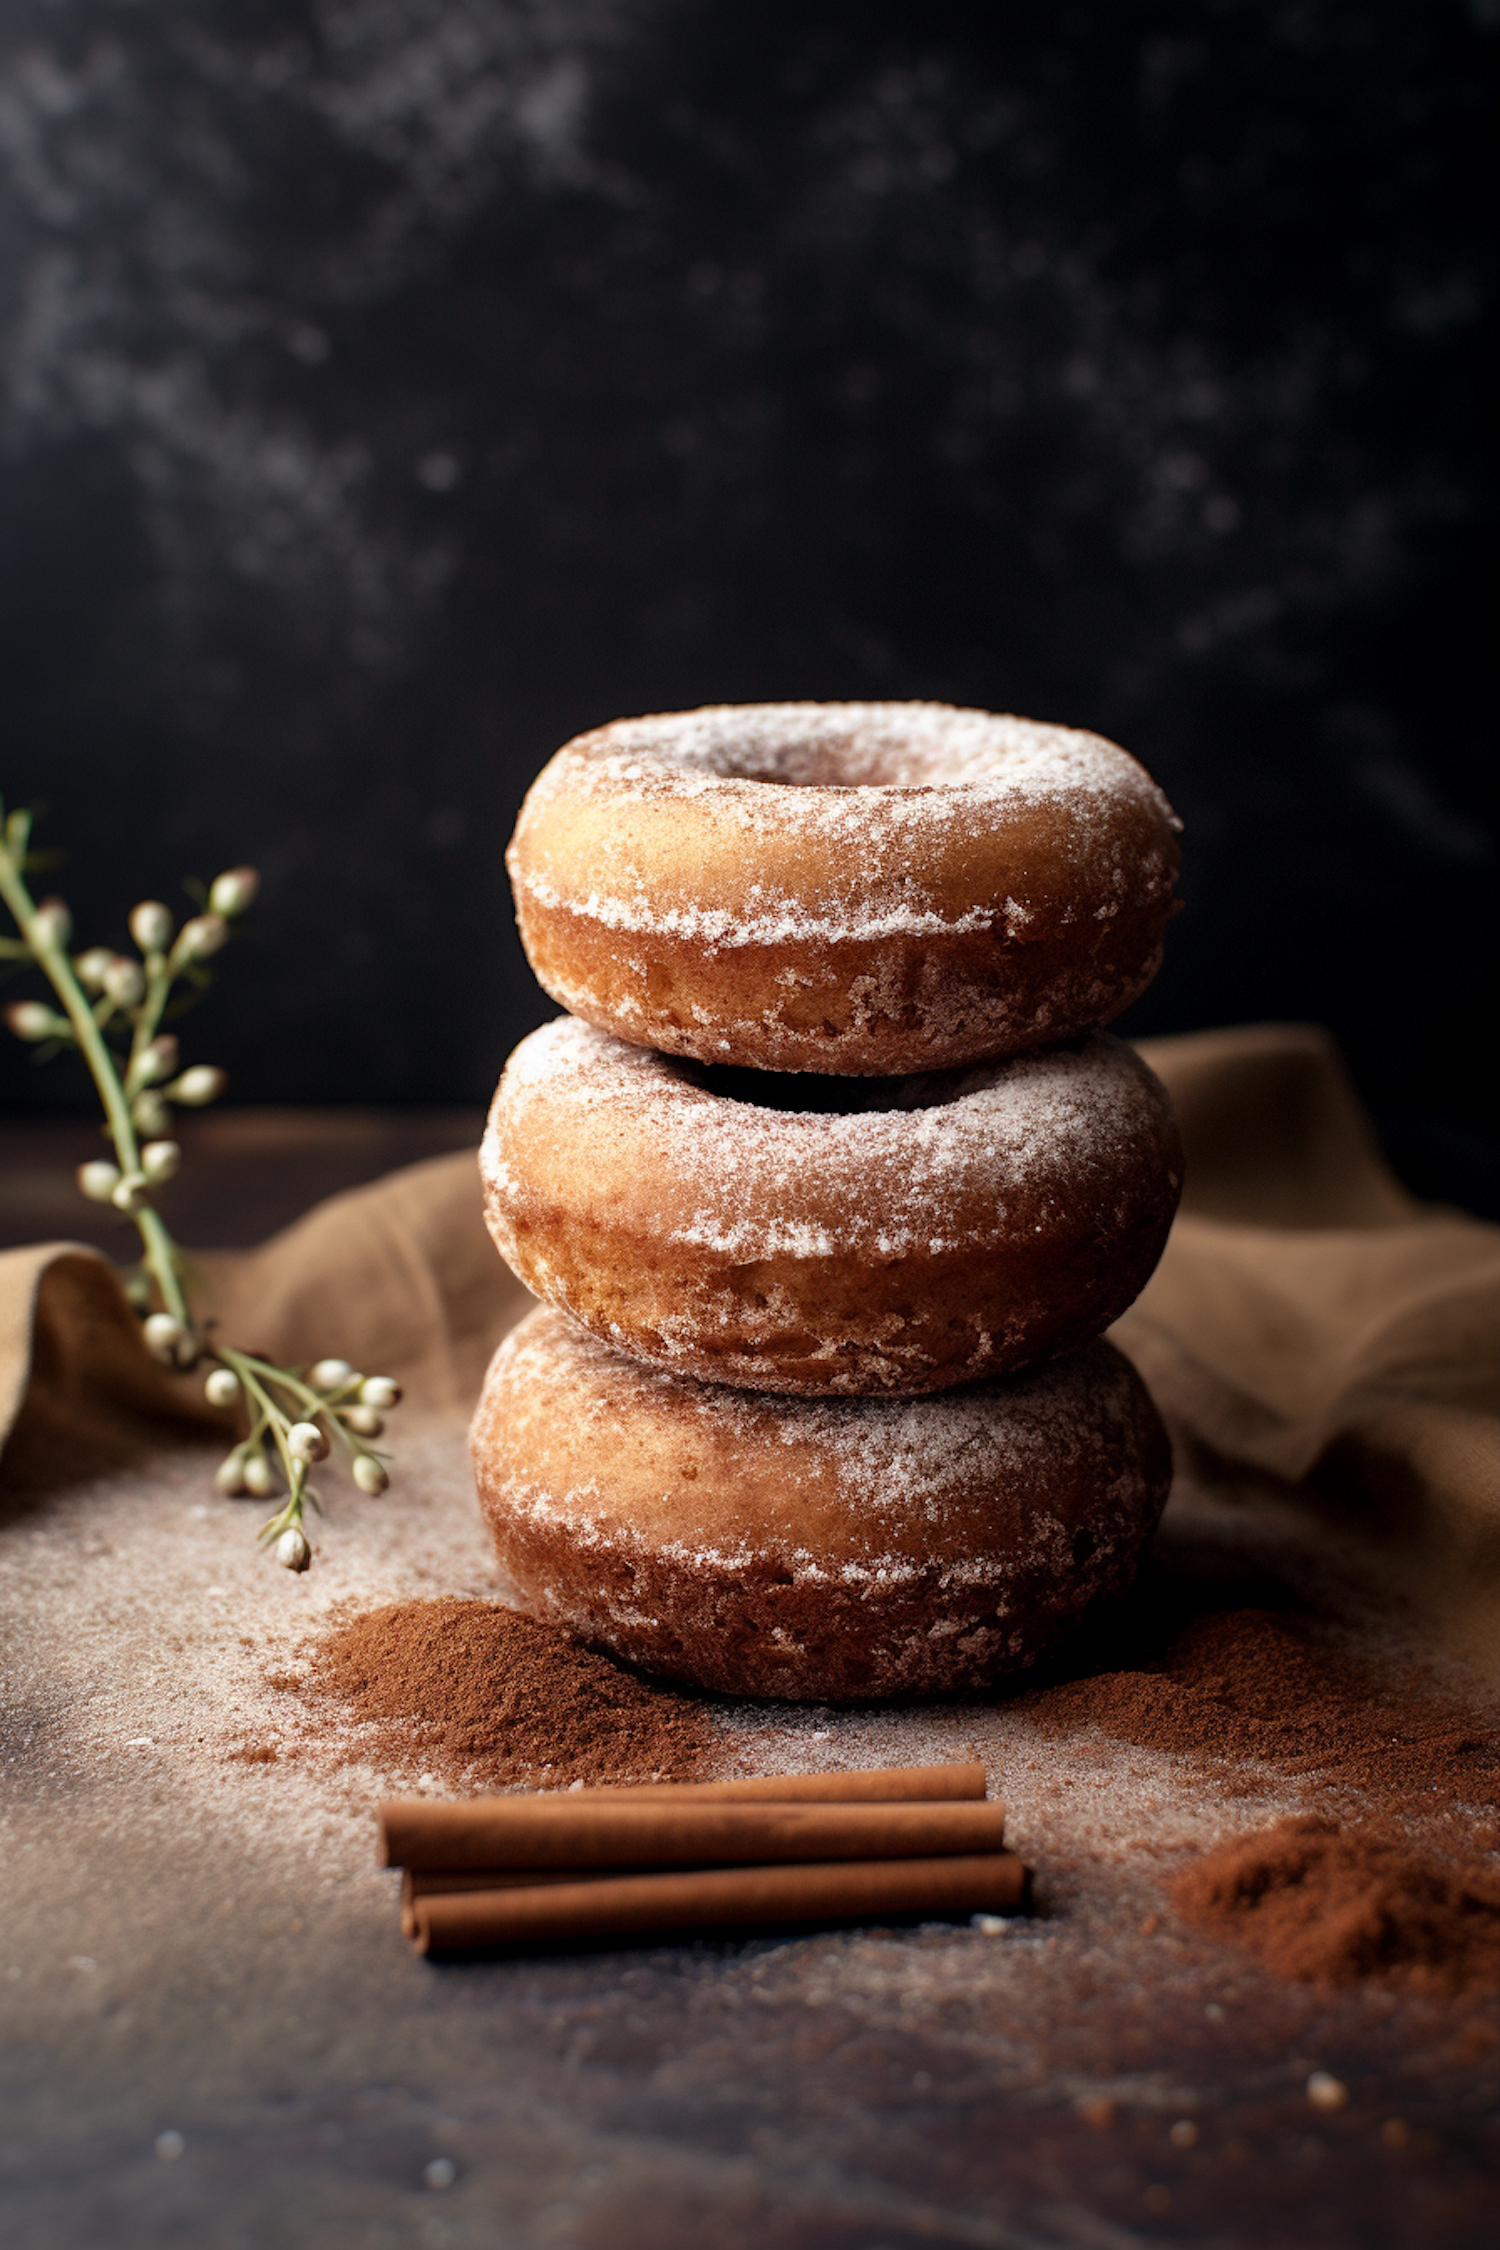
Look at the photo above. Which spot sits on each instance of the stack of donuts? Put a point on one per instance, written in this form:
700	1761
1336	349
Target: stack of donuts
829	1183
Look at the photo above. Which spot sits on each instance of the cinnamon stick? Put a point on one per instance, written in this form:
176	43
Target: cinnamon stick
579	1832
906	1785
434	1883
720	1898
404	1819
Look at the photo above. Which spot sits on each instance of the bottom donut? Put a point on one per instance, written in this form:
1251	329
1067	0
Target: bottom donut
815	1550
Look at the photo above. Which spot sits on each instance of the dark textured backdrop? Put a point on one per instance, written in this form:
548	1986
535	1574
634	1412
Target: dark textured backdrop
393	387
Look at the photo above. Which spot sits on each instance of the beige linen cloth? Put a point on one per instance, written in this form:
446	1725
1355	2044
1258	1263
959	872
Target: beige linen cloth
1311	1328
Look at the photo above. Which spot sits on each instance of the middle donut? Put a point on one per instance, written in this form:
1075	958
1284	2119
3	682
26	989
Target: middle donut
929	1231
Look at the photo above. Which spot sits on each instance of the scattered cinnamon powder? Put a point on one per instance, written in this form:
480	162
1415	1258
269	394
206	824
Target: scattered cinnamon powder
1247	1685
487	1698
1331	1906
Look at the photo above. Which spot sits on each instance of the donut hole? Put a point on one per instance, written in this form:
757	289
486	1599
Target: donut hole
809	756
830	765
832	746
808	1093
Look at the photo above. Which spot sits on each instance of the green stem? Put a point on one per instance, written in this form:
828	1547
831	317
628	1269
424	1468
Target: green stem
247	1370
148	1018
275	1397
58	969
161	1257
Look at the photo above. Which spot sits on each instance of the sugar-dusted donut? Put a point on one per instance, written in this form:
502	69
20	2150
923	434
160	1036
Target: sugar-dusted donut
952	1226
812	1548
862	888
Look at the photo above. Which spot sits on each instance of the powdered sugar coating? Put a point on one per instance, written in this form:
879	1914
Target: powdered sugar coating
854	746
885	1463
951	1225
844	887
934	1167
847	778
798	1547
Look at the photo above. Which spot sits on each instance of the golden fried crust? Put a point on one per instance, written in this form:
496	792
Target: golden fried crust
864	889
975	1222
813	1550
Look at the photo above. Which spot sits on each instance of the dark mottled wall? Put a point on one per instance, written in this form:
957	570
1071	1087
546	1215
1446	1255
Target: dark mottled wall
393	387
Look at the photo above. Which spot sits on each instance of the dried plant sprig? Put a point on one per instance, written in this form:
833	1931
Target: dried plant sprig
110	1014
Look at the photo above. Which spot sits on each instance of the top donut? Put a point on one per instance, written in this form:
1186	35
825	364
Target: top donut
859	888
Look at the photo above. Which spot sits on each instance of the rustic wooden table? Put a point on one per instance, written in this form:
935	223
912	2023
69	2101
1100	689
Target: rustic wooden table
213	2034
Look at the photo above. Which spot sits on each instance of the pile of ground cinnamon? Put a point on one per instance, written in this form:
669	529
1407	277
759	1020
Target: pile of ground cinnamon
1255	1697
1248	1687
478	1695
1331	1906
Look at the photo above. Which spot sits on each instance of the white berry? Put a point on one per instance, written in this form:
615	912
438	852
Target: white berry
306	1442
292	1550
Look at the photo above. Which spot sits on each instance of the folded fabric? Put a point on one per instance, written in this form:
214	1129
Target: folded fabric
1309	1324
401	1277
1314	1323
